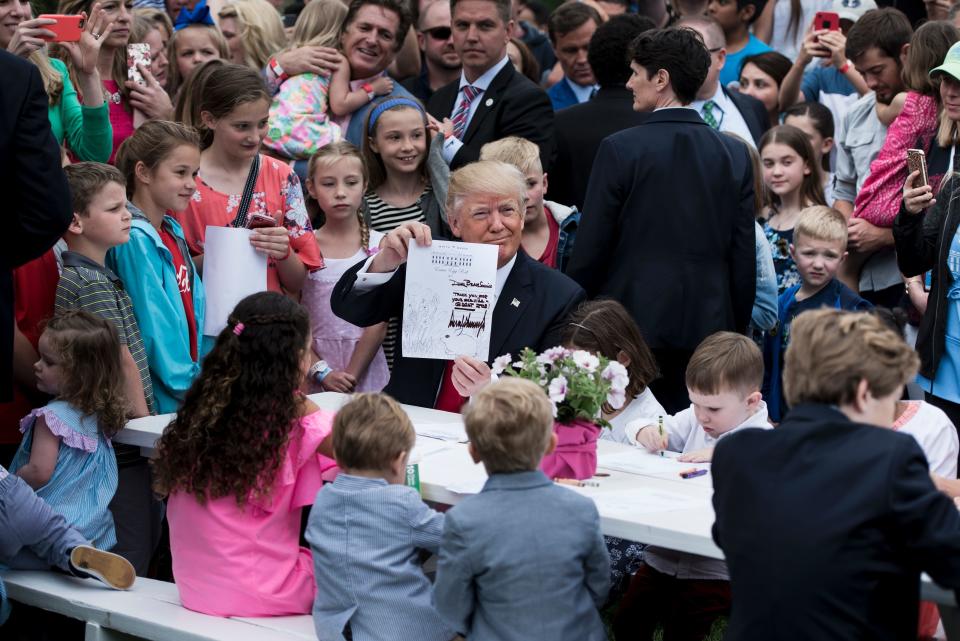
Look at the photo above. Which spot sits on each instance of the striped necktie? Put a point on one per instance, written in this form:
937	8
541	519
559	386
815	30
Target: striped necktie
462	115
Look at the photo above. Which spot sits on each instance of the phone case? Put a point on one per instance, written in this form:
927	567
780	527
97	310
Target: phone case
917	161
67	28
826	20
138	53
256	221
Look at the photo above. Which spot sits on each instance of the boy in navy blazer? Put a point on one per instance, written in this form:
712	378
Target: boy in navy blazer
524	559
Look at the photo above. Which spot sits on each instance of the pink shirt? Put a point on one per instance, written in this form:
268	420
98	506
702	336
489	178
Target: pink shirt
233	561
121	120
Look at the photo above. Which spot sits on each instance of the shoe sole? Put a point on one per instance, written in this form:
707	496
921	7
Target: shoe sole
112	569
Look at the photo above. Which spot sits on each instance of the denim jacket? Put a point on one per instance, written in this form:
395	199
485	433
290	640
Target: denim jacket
764	314
146	267
569	220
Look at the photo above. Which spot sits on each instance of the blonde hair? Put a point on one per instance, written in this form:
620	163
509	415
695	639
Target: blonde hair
821	223
370	431
150	144
509	424
327	156
158	18
218	41
261	30
319	24
831	351
516	151
52	80
725	362
489	177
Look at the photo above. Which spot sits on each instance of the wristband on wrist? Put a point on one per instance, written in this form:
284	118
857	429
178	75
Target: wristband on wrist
845	68
277	70
319	371
368	89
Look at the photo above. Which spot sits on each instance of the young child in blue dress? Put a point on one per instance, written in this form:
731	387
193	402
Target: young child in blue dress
66	455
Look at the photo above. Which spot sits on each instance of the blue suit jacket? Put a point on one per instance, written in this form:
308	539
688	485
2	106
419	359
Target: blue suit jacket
562	96
523	560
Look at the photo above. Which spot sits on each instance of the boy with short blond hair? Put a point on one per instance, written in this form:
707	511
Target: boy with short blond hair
524	558
819	248
686	593
845	512
366	528
549	228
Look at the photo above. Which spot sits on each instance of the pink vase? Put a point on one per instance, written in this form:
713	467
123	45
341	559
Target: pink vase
576	453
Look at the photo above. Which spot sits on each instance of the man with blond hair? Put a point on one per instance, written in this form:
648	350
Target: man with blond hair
485	204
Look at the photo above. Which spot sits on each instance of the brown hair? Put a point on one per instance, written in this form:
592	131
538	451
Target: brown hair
399	8
231	434
606	327
570	16
187	107
150	144
887	29
374	163
158	17
509	424
928	47
93	379
175	81
725	362
528	63
811	189
504	8
86	179
328	155
225	88
831	351
370	431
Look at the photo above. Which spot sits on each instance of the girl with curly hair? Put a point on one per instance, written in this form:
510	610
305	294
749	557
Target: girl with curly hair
244	454
66	454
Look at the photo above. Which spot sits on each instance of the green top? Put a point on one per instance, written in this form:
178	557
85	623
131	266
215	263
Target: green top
87	129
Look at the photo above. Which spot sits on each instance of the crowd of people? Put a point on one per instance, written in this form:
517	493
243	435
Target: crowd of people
714	193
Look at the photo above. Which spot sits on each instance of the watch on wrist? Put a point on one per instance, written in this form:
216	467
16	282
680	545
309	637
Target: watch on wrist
319	371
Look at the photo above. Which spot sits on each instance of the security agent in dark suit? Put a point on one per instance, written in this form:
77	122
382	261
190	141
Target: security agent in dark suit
579	129
827	521
491	100
37	205
532	305
668	222
724	110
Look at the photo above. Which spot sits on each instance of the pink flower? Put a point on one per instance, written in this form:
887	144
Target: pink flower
558	389
500	363
552	355
617	375
616	398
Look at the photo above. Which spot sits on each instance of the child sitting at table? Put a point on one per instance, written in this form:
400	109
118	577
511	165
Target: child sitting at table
366	528
244	454
524	554
684	592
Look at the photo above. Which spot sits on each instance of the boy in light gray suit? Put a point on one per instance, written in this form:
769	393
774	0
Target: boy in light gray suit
523	560
365	531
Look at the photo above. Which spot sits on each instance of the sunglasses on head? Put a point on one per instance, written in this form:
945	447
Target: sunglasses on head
439	33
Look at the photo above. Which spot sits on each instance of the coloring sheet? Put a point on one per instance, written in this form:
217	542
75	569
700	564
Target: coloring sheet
449	299
232	270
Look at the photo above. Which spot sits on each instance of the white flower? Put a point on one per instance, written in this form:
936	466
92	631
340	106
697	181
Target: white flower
558	389
552	355
616	398
586	360
617	375
500	363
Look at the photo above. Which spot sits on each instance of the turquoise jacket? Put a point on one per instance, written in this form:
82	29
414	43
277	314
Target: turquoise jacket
145	266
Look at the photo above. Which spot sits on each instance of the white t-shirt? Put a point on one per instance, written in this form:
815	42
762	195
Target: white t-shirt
646	404
685	432
937	436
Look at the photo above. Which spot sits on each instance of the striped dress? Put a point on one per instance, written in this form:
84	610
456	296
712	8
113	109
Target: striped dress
85	477
384	217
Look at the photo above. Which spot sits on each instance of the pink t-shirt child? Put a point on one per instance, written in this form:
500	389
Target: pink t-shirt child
247	561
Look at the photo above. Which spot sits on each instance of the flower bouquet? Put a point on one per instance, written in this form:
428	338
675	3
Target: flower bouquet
579	385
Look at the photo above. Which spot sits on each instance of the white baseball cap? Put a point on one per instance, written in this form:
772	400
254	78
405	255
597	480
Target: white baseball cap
852	9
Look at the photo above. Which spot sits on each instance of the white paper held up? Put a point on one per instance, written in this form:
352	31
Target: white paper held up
448	300
232	270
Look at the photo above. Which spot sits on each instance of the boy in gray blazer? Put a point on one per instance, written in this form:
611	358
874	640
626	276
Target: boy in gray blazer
523	560
365	531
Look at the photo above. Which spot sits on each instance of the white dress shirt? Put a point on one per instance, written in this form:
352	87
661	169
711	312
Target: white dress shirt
452	144
582	92
727	115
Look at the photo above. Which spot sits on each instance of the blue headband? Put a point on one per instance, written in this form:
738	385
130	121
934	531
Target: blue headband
390	104
199	15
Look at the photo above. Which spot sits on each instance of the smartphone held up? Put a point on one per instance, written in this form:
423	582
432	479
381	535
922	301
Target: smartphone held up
66	28
917	161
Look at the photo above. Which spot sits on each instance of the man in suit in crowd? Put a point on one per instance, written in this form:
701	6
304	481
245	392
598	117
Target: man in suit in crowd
572	26
581	128
720	108
827	521
668	222
441	62
491	100
532	300
37	206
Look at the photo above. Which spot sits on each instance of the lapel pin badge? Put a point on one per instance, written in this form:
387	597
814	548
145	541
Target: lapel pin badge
515	302
489	102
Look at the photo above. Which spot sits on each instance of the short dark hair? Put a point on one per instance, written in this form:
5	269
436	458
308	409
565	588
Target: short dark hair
888	29
610	46
87	179
757	5
540	11
678	50
504	9
399	8
570	17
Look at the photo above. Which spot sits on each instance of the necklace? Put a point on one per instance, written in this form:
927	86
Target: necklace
112	97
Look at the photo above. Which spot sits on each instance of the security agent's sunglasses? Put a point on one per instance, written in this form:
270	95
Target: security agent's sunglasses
438	33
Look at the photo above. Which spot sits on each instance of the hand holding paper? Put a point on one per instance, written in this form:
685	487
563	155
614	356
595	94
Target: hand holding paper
232	271
469	375
395	246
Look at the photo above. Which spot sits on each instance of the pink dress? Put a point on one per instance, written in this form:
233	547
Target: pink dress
879	199
334	339
247	562
121	120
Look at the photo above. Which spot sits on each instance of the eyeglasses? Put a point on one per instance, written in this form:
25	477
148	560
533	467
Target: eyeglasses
438	33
